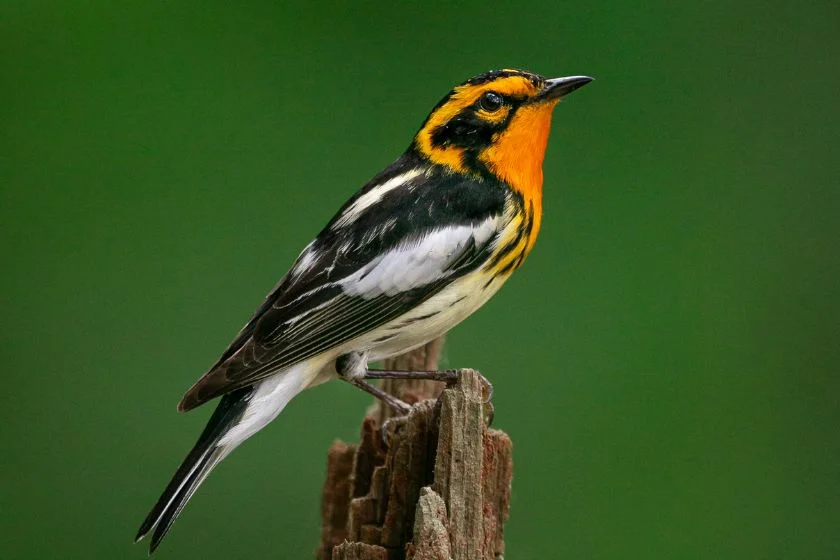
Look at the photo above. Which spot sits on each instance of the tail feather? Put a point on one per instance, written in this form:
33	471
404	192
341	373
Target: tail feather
184	494
240	414
205	455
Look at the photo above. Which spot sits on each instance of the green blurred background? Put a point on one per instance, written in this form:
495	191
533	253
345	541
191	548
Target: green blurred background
666	362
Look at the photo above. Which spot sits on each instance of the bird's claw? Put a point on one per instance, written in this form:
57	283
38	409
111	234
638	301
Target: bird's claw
487	390
385	433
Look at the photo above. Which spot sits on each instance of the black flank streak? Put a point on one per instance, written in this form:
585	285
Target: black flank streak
419	318
510	246
508	267
529	219
385	338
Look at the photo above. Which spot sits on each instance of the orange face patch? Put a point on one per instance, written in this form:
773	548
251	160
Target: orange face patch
462	97
516	156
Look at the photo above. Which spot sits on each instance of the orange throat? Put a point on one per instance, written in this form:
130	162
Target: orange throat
516	157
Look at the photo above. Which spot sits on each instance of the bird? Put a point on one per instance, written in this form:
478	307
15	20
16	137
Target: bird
421	246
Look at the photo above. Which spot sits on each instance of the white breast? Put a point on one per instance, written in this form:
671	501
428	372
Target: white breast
432	318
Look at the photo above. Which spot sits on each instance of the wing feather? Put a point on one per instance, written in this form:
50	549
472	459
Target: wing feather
362	273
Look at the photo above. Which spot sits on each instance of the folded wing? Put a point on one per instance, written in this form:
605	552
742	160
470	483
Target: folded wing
387	251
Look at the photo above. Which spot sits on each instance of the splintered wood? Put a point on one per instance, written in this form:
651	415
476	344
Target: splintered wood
439	491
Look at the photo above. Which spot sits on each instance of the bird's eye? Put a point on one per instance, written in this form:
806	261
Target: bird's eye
491	101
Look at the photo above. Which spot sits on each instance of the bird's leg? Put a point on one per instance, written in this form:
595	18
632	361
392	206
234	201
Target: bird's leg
352	367
401	407
449	376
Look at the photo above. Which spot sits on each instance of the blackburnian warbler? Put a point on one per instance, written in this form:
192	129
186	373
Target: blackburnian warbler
418	249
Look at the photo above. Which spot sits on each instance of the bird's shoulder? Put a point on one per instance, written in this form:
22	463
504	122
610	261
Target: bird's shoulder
408	202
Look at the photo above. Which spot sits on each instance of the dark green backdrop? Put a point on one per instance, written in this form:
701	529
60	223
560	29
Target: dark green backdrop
666	362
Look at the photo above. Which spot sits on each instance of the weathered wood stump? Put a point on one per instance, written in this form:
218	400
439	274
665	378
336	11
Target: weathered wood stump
440	489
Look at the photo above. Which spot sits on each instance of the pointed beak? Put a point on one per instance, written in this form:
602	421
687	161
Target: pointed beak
558	88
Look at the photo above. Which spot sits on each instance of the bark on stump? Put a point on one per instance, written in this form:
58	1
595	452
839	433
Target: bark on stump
439	491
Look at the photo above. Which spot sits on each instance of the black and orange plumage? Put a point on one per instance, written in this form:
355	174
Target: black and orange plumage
418	249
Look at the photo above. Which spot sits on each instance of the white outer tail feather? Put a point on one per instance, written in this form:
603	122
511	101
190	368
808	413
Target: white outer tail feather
269	399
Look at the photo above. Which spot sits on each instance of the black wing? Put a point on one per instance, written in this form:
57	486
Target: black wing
377	259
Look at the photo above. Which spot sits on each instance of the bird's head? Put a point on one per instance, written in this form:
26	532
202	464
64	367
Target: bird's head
497	122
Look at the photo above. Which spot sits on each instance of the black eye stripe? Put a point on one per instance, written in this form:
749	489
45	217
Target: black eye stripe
472	128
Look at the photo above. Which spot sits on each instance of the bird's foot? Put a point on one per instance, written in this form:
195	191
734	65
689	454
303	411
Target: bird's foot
402	408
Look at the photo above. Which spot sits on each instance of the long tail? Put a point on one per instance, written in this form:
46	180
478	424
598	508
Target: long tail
206	454
240	414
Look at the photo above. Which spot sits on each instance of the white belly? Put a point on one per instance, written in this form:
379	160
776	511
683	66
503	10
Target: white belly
415	328
431	319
